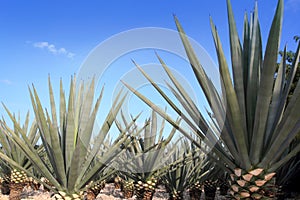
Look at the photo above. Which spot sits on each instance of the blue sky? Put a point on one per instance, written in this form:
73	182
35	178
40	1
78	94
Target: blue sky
39	38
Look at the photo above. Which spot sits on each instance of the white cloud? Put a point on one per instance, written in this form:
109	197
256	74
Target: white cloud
70	55
40	44
293	5
52	49
62	50
6	82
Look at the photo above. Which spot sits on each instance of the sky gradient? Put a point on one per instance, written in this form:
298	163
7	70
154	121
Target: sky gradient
41	38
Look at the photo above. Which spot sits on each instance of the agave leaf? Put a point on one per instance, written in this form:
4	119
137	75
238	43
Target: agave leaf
288	142
86	111
153	128
209	90
156	157
287	171
228	138
161	131
85	136
62	115
156	108
75	165
136	145
212	96
132	132
26	123
99	139
276	99
172	133
226	135
87	130
52	103
292	73
234	113
210	135
70	127
172	122
59	164
34	134
170	102
286	158
78	107
148	136
237	62
266	84
189	105
4	142
203	127
102	163
15	153
286	90
39	114
195	64
246	49
254	63
42	124
286	129
281	133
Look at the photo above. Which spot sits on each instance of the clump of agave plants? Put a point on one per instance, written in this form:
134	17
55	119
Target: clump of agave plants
248	148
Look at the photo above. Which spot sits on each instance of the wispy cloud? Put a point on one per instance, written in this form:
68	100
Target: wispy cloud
6	82
52	49
293	5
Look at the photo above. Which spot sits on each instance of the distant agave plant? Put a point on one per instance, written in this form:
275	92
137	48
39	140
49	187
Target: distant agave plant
186	171
259	123
144	160
13	177
73	161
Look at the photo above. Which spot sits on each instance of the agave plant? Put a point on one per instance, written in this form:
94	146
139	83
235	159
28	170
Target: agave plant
95	186
128	188
100	179
125	184
195	172
144	160
259	124
186	170
15	179
215	180
67	142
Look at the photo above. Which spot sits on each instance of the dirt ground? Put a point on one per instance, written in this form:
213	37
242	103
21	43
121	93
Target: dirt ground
108	193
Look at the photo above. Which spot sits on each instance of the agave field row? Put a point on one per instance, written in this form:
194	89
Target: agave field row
248	148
